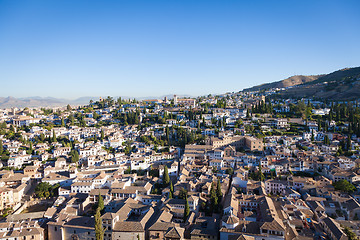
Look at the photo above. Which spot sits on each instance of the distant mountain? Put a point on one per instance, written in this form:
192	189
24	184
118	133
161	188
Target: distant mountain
343	84
9	102
83	100
289	82
35	102
169	96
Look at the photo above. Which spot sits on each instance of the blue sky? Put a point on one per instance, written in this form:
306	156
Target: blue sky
69	49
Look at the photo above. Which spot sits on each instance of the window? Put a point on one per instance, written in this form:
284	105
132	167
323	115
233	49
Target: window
55	229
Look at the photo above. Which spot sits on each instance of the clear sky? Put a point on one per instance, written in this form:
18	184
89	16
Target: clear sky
74	48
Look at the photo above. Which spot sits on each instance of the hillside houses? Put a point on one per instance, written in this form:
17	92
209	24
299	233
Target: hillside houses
232	166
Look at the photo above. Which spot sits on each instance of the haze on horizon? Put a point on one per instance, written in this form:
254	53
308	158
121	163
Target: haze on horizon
70	49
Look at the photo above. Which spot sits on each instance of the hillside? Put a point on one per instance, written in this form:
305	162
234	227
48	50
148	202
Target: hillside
343	84
291	81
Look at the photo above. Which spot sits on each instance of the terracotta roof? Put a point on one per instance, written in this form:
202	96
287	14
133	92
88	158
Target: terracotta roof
230	219
274	225
161	226
128	226
174	233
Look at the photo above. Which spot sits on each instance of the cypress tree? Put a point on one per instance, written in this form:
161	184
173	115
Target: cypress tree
54	136
171	195
1	147
166	178
186	210
261	174
348	143
171	187
167	135
101	203
218	190
102	135
74	156
213	198
99	230
326	140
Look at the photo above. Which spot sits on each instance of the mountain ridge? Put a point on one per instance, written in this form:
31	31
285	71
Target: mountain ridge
37	101
343	84
288	82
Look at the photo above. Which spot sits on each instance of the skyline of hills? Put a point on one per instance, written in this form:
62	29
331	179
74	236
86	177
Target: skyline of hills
288	82
343	84
36	101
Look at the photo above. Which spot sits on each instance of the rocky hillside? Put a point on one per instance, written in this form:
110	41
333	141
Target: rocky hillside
291	81
343	84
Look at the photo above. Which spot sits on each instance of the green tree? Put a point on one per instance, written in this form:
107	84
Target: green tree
74	156
101	203
186	210
261	174
348	143
53	136
1	147
96	116
30	150
45	189
326	140
71	119
345	186
99	230
166	177
167	135
42	137
62	122
312	136
183	193
102	135
229	171
68	107
213	198
218	190
171	194
350	234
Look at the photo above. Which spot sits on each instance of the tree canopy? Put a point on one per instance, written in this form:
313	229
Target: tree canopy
186	210
166	177
344	185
